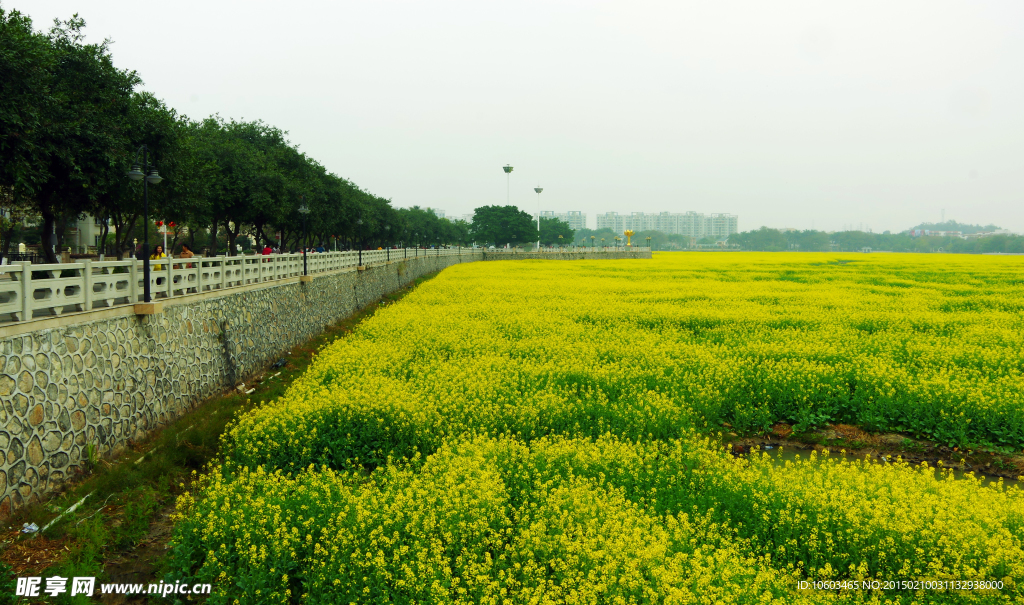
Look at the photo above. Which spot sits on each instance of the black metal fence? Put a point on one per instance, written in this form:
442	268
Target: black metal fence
32	257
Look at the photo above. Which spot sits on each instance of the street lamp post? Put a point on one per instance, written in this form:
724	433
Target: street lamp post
592	241
538	189
359	228
147	174
648	242
304	209
508	184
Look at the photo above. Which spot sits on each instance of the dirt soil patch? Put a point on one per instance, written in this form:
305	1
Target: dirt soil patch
857	442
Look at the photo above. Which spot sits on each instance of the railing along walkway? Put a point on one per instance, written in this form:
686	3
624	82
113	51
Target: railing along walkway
32	291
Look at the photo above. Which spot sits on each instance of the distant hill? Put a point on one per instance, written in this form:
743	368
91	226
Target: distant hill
955	226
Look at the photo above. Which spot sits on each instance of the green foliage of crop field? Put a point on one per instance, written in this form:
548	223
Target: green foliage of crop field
534	432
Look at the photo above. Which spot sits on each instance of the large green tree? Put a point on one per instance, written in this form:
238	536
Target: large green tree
501	225
63	109
26	65
82	131
248	181
119	202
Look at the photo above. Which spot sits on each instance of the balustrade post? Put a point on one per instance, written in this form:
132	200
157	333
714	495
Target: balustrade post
223	271
27	294
87	287
133	271
170	275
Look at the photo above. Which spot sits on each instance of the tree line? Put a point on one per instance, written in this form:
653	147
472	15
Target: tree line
852	241
71	126
773	240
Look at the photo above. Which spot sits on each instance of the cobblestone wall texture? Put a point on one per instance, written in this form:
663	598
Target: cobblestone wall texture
104	383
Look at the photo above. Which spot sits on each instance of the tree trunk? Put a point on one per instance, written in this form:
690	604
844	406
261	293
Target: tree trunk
231	236
258	229
269	241
102	247
122	231
46	238
213	239
60	229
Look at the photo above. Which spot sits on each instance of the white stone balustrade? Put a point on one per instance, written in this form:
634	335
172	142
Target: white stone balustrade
30	291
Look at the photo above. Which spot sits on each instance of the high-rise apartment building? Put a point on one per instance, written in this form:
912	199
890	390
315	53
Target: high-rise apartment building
690	224
577	220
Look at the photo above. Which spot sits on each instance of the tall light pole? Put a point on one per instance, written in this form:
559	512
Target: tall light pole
508	184
149	176
538	190
304	209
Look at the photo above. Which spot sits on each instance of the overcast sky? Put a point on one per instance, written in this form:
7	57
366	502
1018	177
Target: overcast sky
873	114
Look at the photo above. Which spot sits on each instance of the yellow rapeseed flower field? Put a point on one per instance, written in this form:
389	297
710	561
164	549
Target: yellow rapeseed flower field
537	432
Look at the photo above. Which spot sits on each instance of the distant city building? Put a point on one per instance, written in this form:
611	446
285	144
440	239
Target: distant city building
690	224
959	234
988	233
84	233
932	233
577	220
462	217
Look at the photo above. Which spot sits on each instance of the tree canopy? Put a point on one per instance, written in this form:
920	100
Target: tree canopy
71	126
501	225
